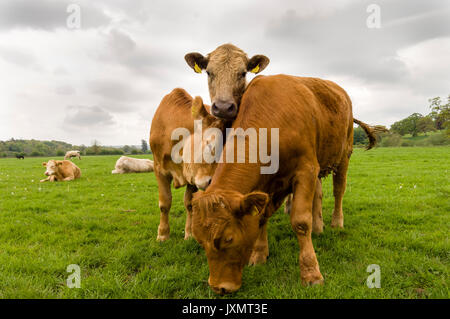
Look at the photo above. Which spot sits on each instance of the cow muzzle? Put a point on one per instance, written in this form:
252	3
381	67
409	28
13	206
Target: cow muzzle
225	288
224	109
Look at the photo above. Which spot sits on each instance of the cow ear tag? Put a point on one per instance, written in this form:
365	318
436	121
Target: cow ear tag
255	69
197	68
255	211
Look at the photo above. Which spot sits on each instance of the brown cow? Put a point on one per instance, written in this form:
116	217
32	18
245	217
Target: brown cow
226	67
61	171
178	110
315	124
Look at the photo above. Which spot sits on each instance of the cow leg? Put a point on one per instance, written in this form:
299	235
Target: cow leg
301	221
261	249
45	180
190	190
288	204
317	223
69	178
339	184
165	201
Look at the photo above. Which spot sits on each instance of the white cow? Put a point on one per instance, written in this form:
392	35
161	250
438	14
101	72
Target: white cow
127	164
71	154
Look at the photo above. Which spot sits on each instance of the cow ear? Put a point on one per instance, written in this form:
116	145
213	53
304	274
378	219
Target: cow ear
196	61
254	203
198	109
257	63
44	164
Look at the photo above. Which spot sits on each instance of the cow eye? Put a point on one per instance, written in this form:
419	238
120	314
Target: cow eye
242	75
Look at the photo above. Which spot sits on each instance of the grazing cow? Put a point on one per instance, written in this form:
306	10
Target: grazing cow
127	164
61	171
19	156
71	154
178	110
229	220
226	67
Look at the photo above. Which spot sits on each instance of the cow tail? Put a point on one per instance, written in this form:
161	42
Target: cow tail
370	131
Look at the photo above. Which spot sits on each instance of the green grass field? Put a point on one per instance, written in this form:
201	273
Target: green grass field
396	212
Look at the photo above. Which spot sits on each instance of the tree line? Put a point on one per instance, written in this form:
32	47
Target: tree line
434	127
17	147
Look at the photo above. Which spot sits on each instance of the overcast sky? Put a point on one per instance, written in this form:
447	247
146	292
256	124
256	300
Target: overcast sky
105	80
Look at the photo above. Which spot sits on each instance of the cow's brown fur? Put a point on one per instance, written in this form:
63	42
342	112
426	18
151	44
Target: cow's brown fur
176	110
61	171
315	124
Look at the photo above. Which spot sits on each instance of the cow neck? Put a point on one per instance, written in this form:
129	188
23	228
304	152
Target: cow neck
236	177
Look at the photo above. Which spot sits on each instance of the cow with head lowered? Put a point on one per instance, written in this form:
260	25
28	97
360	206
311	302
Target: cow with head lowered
315	124
171	163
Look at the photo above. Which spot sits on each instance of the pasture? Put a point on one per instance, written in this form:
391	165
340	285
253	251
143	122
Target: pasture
396	215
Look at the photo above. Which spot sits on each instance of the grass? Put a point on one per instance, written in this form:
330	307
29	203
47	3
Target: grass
396	213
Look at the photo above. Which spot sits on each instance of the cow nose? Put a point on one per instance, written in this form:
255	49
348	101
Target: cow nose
47	173
203	182
225	110
226	288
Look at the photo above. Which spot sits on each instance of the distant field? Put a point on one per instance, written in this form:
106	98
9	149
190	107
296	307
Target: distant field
396	213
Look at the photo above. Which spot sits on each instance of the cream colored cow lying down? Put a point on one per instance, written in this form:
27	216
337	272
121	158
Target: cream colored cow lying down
127	164
61	171
71	154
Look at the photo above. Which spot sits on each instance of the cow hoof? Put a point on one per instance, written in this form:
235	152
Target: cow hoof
312	280
162	238
257	259
337	224
187	236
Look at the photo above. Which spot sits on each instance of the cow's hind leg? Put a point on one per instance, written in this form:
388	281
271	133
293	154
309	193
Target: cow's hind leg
165	202
190	190
339	184
301	220
261	249
317	224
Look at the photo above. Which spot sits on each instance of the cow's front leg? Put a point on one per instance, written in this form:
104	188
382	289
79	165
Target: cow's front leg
261	249
46	179
190	190
301	221
165	202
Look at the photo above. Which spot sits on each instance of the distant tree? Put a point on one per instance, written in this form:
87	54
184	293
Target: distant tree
359	136
425	124
407	125
440	113
144	146
126	149
96	147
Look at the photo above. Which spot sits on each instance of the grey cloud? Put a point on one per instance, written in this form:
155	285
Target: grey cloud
47	14
19	57
341	42
88	116
65	90
115	90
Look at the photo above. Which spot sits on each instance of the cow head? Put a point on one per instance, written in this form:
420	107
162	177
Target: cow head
226	225
52	167
198	169
226	67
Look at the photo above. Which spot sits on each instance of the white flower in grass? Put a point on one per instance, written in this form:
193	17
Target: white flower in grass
12	193
415	186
